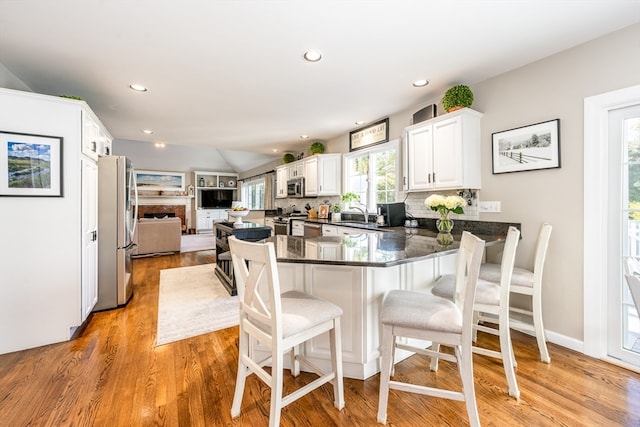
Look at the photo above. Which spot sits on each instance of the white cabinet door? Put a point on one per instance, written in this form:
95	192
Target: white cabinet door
419	143
322	175
329	174
297	228
329	230
447	154
89	219
311	176
90	136
296	170
282	176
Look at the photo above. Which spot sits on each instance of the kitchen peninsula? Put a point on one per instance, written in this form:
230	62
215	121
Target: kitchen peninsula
355	271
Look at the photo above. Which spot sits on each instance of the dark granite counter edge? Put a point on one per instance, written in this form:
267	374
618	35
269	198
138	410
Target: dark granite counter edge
367	263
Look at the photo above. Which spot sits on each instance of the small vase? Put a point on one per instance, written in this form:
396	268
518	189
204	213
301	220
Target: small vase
445	239
444	224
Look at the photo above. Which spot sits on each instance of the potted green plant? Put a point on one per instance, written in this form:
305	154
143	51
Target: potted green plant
317	148
288	158
457	97
335	212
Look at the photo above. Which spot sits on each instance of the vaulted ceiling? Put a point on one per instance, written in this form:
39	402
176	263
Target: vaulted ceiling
230	74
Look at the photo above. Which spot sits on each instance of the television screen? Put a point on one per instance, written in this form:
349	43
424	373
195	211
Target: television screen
216	199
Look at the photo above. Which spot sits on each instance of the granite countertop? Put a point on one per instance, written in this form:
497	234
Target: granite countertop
379	249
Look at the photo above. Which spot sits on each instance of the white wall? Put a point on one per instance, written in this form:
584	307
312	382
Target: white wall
554	87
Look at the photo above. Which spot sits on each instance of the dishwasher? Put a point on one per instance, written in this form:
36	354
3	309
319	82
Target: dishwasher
312	230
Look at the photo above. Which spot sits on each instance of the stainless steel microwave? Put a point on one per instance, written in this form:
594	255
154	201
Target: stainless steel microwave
295	187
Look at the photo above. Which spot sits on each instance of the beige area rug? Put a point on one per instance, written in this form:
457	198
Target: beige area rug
192	302
197	242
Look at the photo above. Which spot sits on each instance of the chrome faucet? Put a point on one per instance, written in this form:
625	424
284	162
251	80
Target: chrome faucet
364	211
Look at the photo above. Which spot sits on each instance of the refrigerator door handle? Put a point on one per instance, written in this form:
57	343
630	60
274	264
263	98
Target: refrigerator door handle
134	184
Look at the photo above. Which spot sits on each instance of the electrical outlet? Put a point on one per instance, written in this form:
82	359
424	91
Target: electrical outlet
490	207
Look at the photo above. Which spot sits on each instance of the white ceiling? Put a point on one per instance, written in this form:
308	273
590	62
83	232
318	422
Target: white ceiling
230	74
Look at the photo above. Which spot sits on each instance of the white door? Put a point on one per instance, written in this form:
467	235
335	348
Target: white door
623	328
89	218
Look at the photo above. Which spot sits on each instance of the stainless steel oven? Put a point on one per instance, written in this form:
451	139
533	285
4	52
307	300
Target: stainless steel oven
280	227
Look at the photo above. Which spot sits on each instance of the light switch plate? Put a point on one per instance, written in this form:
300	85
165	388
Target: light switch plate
490	207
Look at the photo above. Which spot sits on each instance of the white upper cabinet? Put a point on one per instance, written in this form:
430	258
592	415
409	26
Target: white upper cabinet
296	170
322	174
443	153
282	176
91	143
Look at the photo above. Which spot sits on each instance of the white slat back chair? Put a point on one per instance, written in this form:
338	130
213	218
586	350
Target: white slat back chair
492	305
423	316
282	323
527	282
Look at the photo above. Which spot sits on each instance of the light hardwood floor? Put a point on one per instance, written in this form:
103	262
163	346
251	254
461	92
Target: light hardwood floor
114	375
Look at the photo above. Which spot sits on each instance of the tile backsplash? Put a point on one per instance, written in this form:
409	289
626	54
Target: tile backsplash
414	203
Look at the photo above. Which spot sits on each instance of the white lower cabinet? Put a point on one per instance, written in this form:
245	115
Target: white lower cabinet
206	217
329	230
359	292
297	228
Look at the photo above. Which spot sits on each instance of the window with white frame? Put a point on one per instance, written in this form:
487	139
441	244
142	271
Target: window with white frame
253	194
372	174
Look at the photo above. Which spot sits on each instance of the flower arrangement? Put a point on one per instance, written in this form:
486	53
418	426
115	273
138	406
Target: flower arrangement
444	205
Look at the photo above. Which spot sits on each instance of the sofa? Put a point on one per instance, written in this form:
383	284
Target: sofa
157	236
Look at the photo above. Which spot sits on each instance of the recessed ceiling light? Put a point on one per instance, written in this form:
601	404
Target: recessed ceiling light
275	150
304	136
312	55
138	87
147	131
360	122
159	144
421	83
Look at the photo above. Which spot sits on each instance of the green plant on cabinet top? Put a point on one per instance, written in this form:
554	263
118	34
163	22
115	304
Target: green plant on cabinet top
459	96
317	148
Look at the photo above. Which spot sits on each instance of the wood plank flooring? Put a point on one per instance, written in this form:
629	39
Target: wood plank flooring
114	375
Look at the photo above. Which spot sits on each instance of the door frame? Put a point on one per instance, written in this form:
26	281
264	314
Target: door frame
596	268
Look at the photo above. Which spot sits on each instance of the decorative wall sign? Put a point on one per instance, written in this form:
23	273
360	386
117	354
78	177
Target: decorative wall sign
30	165
159	181
376	133
527	148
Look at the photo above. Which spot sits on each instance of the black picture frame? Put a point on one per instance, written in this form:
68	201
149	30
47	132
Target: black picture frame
373	134
526	148
30	165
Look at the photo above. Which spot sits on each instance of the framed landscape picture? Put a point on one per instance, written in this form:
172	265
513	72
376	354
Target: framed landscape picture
527	148
159	181
30	165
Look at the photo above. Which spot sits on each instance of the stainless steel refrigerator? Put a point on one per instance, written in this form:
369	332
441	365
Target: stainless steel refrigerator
117	198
